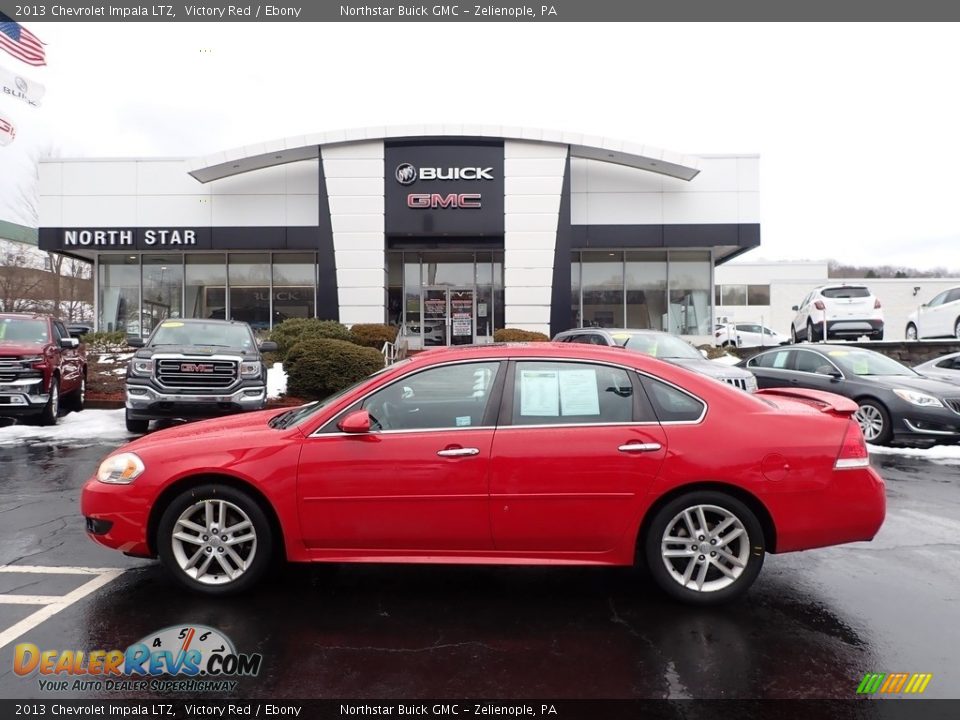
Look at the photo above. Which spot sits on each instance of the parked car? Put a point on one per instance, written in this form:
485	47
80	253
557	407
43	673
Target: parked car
945	368
79	330
850	311
746	335
39	364
434	332
938	318
195	368
895	404
663	346
542	453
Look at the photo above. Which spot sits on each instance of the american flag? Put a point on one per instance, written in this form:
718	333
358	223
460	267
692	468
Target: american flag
20	42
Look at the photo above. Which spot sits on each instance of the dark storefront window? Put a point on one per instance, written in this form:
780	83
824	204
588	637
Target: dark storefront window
602	289
162	289
690	292
119	301
394	288
294	283
249	277
646	282
205	286
575	291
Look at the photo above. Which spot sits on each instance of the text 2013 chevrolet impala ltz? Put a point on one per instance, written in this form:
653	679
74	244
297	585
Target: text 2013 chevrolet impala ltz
528	454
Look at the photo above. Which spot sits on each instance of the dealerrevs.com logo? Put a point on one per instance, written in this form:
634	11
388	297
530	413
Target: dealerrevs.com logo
199	658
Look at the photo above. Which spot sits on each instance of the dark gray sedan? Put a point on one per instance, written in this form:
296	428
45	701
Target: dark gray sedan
945	368
662	346
896	404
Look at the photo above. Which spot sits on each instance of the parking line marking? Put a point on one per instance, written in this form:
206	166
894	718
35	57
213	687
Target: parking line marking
29	599
102	576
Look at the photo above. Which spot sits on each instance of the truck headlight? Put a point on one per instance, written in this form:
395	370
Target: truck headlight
250	369
120	469
919	399
141	367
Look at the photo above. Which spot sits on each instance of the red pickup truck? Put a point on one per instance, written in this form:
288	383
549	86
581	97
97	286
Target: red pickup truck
39	364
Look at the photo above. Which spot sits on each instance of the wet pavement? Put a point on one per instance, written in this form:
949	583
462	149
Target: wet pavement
812	625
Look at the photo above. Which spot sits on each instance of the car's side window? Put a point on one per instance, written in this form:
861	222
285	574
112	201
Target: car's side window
776	360
58	335
938	300
672	404
953	296
449	396
582	339
555	393
812	362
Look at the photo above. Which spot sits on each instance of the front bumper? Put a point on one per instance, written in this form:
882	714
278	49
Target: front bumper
23	397
145	402
116	516
925	425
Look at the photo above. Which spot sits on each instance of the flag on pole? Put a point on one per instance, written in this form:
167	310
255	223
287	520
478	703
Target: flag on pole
7	132
17	86
20	42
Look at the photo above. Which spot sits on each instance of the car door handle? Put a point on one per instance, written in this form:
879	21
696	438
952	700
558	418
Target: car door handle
639	447
458	452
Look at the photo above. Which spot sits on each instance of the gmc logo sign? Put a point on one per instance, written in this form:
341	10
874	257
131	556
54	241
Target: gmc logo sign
436	200
196	367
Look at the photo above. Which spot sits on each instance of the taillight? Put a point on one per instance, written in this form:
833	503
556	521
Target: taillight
853	451
819	305
876	304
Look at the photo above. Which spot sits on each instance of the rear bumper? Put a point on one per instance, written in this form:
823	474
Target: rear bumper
850	508
853	328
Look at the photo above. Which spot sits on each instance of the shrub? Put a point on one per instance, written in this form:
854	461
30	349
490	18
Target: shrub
372	335
317	367
105	341
517	335
290	332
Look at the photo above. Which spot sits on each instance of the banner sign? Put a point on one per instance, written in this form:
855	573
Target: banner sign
17	86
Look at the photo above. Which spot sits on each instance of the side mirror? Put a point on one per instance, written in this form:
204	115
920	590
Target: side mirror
356	422
795	308
268	346
135	341
69	343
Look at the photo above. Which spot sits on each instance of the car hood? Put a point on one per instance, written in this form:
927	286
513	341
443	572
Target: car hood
711	369
10	347
937	388
193	351
234	426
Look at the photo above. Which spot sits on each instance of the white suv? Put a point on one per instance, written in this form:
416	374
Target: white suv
938	318
746	335
849	311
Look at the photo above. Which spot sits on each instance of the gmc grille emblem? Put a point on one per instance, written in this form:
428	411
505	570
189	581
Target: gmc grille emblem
196	367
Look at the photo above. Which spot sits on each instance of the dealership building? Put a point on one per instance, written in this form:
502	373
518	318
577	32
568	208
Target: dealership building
449	232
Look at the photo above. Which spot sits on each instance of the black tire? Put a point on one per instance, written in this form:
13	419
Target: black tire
793	335
75	400
751	546
134	425
874	409
51	411
812	334
956	328
878	335
262	555
916	335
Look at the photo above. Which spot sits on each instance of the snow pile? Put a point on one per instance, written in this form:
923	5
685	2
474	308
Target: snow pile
727	360
85	426
276	381
945	454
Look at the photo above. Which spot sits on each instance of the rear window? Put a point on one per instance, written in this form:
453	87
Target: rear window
845	292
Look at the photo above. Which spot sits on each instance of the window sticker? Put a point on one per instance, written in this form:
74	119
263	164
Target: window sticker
172	324
861	366
578	392
838	353
539	393
463	420
780	360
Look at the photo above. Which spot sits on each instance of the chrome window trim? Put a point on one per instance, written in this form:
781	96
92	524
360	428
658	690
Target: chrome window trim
699	399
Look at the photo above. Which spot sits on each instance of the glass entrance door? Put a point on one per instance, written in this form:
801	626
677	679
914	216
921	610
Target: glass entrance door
449	316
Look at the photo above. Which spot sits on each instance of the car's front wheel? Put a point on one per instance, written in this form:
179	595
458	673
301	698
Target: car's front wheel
911	332
704	548
215	539
874	420
51	411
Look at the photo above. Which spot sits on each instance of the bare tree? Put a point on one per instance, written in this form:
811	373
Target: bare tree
20	278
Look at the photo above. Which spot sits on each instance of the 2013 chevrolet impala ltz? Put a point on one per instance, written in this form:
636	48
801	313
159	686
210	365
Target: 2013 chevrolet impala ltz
523	454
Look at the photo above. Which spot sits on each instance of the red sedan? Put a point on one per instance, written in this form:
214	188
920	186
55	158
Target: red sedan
528	454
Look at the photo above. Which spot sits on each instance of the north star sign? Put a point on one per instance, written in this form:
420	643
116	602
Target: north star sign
125	238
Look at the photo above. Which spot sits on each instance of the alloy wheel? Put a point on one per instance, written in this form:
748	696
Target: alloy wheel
911	332
705	548
214	542
54	398
871	422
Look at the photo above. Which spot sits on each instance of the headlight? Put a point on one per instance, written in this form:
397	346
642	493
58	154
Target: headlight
752	383
917	398
250	369
141	367
120	469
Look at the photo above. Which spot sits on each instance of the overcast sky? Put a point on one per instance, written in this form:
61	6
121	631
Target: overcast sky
857	126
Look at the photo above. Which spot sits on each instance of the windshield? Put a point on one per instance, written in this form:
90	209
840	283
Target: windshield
867	362
23	330
657	345
292	417
845	292
209	334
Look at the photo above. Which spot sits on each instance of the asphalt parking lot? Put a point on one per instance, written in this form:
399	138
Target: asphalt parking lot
811	627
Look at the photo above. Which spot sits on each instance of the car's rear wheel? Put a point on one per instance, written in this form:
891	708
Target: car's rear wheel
812	335
51	411
135	425
215	539
874	420
911	332
704	548
793	334
956	329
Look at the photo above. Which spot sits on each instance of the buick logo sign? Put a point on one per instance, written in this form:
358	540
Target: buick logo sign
406	174
22	85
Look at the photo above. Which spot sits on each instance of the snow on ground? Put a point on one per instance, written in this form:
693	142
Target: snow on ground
727	360
74	428
114	358
276	381
943	454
